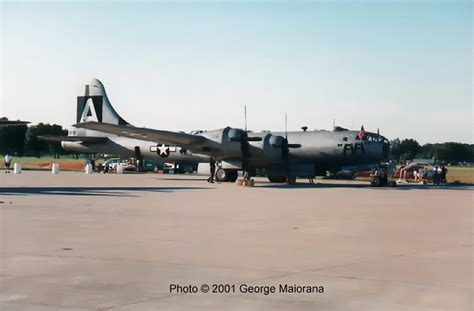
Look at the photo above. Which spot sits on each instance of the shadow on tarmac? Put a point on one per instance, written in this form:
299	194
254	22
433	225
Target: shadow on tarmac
90	191
364	186
180	179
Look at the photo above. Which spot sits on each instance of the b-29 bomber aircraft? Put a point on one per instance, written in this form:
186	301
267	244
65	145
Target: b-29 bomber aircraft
284	156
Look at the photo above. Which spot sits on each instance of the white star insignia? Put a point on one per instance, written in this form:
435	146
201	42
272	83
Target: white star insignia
163	150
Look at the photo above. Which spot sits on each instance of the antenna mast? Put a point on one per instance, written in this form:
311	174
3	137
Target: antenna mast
245	117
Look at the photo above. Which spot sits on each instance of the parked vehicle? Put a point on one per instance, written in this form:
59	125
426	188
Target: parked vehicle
410	170
111	165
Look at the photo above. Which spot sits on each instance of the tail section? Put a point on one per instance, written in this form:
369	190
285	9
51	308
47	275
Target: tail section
94	105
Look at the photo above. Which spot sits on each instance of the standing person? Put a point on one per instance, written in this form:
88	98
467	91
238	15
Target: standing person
444	171
105	168
421	175
8	161
212	168
438	172
415	176
436	175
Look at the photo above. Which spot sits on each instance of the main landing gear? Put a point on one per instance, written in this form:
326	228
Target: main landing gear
224	175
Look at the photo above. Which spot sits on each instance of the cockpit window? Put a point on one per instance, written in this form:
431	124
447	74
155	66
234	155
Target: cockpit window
372	137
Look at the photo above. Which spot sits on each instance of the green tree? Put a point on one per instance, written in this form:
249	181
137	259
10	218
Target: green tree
406	149
12	139
427	151
450	152
395	149
36	147
454	152
409	149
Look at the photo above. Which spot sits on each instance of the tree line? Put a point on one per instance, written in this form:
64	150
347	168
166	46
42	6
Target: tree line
449	152
23	140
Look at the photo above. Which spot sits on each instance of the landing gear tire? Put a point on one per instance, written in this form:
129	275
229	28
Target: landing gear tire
379	181
277	179
223	175
232	175
375	182
291	180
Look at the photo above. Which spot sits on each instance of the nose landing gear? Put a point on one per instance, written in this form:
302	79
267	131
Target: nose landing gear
380	179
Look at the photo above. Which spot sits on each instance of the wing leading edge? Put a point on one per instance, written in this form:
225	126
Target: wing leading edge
181	139
88	139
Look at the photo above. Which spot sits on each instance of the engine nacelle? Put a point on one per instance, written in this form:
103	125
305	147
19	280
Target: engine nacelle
267	151
75	147
236	134
276	141
272	148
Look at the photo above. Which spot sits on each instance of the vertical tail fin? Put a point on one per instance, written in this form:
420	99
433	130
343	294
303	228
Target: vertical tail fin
94	105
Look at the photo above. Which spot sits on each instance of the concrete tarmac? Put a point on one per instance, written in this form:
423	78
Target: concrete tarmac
117	242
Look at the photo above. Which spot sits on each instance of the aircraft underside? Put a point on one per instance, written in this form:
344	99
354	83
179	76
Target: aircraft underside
278	172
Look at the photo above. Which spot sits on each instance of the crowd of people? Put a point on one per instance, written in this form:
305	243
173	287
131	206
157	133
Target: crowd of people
439	174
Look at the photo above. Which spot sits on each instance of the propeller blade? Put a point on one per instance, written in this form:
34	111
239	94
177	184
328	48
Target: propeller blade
294	146
245	117
254	138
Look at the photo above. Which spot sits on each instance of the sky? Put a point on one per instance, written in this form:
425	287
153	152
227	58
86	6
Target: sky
404	67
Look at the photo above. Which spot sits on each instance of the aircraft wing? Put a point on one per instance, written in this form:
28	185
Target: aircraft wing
88	139
181	139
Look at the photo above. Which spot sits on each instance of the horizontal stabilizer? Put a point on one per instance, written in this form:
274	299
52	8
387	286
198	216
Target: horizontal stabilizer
89	139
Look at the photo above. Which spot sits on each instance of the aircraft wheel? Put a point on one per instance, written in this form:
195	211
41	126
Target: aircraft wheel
232	175
291	180
221	175
375	182
277	179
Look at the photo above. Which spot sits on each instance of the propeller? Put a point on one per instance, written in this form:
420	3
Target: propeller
285	146
241	136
